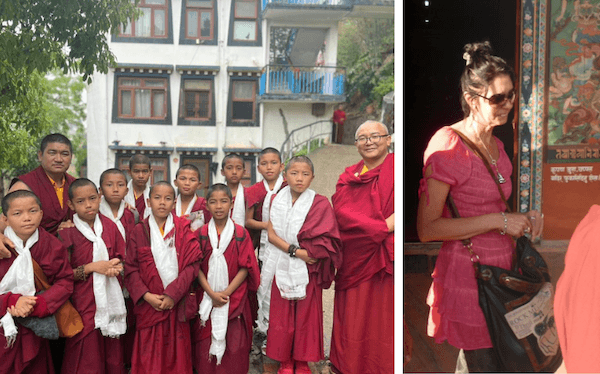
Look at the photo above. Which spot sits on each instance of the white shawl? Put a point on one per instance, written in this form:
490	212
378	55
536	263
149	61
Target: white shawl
18	279
163	251
291	274
111	314
218	279
130	198
238	214
106	210
264	236
178	205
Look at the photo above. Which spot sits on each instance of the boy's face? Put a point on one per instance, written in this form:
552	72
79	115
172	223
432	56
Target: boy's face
114	188
140	173
161	201
187	182
299	176
270	166
233	170
56	158
219	204
24	216
86	203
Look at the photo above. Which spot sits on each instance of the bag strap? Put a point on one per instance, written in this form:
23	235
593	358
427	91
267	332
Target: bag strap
478	152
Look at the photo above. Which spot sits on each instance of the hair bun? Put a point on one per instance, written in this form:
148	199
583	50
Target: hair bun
476	52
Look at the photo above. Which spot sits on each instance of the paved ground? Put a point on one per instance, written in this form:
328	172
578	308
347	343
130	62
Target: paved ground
329	161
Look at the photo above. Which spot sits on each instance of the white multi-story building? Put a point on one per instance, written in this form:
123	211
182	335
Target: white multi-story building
197	79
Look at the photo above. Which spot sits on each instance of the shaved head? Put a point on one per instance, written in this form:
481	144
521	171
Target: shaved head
384	129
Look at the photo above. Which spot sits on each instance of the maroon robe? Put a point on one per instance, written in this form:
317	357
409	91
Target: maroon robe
39	183
128	221
140	205
239	254
255	197
296	326
199	206
363	339
162	341
30	353
108	352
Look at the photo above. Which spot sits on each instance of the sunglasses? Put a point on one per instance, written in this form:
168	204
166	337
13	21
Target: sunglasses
499	99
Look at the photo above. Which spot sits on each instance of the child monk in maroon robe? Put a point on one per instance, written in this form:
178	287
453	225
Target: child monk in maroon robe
30	353
302	226
243	275
189	204
233	169
363	321
108	350
163	258
140	169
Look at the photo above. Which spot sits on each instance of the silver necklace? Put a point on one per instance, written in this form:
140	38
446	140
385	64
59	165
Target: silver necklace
499	176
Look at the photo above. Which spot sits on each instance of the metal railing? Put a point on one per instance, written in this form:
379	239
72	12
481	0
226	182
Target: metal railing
265	3
308	137
283	79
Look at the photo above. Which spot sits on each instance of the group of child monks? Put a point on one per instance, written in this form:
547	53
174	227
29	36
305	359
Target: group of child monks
166	281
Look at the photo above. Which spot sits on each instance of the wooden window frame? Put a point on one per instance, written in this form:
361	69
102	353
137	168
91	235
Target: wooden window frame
153	7
200	10
206	183
253	100
182	97
245	18
142	85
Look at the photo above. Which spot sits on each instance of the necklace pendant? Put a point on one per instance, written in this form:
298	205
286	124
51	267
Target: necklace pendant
501	179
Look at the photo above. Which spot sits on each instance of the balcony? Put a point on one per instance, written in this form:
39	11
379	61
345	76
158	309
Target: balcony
303	83
318	10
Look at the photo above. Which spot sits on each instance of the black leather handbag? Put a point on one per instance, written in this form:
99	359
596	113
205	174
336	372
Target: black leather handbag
518	304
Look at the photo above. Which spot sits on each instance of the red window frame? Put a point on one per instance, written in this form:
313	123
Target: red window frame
200	10
237	17
132	89
182	106
153	8
253	100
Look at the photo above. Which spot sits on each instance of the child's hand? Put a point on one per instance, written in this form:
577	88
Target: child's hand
167	303
23	307
303	255
66	225
154	300
128	206
390	222
219	299
4	244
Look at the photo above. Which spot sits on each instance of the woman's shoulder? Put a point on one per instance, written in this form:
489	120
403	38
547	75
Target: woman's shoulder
444	139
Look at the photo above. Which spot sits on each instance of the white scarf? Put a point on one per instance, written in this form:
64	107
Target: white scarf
163	251
291	274
264	236
18	279
111	314
106	210
130	198
238	214
178	205
218	279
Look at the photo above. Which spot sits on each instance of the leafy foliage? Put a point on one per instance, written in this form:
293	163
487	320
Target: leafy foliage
363	48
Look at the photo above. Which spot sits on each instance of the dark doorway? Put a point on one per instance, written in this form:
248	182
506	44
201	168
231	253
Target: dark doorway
435	32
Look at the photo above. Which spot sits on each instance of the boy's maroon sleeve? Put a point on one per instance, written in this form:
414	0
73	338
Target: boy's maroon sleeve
133	281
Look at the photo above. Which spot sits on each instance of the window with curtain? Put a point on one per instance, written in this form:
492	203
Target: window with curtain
195	101
199	19
142	97
243	100
160	166
245	22
152	22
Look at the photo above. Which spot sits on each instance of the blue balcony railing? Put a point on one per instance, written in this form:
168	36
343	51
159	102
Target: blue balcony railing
303	80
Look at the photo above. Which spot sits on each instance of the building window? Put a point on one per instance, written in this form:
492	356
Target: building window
142	98
245	29
153	25
203	164
243	101
199	19
196	102
160	166
249	176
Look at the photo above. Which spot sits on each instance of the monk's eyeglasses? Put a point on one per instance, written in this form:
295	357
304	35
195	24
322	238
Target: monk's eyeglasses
499	99
373	138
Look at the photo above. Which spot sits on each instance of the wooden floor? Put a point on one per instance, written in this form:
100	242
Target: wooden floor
429	357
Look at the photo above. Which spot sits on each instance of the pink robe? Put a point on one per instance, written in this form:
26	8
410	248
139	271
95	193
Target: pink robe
108	356
54	214
363	339
296	327
162	340
239	254
30	353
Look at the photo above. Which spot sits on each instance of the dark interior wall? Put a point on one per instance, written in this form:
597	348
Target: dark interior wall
433	64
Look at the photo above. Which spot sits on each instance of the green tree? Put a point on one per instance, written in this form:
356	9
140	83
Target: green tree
364	48
37	37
